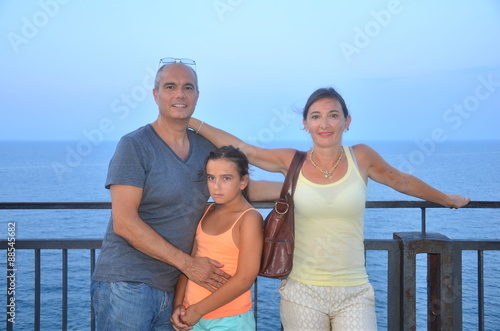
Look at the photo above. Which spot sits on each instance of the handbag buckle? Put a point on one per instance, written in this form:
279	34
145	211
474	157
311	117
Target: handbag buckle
279	212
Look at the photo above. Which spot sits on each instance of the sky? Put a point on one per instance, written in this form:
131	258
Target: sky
408	70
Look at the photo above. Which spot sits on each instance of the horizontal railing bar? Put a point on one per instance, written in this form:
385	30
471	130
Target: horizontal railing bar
54	244
55	205
476	245
427	204
256	204
370	244
380	244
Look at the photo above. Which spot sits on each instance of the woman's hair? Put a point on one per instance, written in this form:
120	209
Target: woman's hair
325	93
234	155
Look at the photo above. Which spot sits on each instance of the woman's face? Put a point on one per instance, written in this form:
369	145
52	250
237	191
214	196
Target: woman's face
326	122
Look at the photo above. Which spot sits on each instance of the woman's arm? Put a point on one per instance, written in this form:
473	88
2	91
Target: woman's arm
250	246
273	160
373	166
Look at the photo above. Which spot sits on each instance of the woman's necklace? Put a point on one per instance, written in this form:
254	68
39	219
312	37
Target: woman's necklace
327	174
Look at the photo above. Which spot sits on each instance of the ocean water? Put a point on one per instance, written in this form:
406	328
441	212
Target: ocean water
75	171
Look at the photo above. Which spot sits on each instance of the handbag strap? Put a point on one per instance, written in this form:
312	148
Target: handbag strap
293	173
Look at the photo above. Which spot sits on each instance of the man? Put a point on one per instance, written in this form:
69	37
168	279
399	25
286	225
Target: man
157	197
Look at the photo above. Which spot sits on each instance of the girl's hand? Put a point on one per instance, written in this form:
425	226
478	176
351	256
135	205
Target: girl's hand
192	316
177	319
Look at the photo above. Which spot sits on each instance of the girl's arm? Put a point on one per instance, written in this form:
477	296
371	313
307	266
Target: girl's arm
179	311
250	245
273	160
373	166
178	304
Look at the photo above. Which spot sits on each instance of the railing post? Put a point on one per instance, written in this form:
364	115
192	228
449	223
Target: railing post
64	307
439	279
38	289
92	267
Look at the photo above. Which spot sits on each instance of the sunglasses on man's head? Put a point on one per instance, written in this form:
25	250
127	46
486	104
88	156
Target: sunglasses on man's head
170	60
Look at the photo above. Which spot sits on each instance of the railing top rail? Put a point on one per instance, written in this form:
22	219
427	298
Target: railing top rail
257	204
55	205
54	243
427	204
95	243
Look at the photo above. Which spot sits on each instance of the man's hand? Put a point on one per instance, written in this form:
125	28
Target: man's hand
206	273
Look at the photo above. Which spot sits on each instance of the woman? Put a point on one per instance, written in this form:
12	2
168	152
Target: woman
328	288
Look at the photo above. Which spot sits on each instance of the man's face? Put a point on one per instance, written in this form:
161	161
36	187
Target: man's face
177	94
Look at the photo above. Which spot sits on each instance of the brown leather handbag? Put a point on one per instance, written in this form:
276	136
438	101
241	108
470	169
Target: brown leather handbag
279	227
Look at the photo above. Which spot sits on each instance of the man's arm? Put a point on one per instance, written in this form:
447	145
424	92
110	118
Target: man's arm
127	224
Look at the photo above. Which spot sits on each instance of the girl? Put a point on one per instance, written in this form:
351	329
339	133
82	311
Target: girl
230	231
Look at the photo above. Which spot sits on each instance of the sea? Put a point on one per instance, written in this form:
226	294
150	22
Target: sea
75	171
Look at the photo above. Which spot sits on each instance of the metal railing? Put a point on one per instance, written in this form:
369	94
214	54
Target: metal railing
444	269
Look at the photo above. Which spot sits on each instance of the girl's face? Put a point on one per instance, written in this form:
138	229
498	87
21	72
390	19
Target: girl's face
224	181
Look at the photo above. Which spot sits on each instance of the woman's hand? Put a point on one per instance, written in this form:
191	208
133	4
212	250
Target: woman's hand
457	200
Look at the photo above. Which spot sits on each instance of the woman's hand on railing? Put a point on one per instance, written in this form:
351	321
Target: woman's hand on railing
457	200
